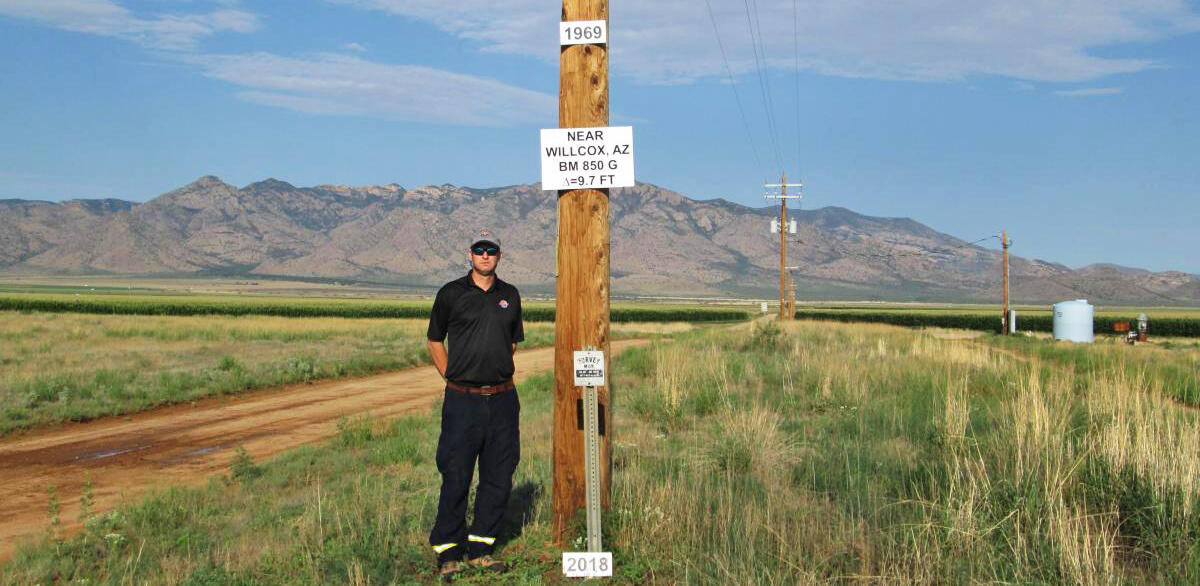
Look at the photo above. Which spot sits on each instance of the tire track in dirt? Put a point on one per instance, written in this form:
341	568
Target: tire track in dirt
185	444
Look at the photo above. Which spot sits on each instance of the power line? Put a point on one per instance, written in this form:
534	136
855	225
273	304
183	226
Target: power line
762	44
1077	290
796	52
844	251
763	85
733	85
924	251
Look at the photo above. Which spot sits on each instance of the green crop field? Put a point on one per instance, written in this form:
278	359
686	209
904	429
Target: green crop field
972	309
1168	322
816	453
270	305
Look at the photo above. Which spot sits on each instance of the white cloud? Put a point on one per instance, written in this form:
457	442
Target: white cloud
346	85
670	41
108	19
523	27
1090	92
322	84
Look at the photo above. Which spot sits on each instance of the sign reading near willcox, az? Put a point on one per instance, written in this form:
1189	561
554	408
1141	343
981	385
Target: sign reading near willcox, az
577	158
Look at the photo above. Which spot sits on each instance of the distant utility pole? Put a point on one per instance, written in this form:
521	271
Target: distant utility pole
784	229
1004	244
582	305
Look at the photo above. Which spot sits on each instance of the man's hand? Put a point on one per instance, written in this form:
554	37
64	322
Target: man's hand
437	351
514	347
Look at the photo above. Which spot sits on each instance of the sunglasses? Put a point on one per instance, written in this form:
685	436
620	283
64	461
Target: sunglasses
479	250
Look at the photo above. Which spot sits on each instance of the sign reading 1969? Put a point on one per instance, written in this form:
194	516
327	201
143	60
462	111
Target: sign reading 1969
574	158
580	32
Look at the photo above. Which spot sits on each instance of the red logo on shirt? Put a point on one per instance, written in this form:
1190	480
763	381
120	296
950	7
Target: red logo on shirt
503	304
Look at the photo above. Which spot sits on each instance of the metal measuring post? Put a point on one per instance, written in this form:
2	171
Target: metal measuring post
591	455
589	374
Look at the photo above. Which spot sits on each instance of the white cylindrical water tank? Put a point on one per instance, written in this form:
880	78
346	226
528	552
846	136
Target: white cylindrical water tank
1073	321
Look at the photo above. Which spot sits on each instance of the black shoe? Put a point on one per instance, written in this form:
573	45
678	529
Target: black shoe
488	563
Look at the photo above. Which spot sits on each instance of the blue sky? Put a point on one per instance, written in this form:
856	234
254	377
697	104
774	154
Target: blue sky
1073	125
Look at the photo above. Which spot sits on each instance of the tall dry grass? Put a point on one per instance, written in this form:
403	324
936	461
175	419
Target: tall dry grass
811	454
879	455
1138	428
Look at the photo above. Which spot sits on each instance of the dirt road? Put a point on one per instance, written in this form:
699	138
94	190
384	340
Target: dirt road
185	444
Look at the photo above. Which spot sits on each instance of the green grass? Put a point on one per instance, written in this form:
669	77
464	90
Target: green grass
819	453
994	309
1175	370
1167	323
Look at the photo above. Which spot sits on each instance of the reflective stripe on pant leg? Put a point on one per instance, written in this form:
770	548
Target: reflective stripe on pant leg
478	539
443	547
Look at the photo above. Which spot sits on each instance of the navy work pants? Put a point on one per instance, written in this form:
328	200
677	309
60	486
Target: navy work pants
475	427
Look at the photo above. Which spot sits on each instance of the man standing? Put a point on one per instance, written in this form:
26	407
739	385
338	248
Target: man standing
482	317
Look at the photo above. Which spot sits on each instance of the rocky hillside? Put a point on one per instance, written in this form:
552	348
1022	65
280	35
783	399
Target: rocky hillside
662	244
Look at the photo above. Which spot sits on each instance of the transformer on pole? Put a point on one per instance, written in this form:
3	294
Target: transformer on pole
781	222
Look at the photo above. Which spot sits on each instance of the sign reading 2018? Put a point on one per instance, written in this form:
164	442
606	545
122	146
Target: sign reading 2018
575	158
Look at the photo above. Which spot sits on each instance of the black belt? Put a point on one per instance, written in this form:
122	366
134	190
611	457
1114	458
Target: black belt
485	389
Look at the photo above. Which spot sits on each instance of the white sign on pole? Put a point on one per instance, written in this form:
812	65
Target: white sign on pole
575	158
589	368
587	564
580	32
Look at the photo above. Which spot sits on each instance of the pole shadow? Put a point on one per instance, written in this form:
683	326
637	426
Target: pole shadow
519	513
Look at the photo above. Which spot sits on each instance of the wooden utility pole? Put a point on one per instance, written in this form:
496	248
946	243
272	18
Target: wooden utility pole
582	307
783	196
783	231
1004	244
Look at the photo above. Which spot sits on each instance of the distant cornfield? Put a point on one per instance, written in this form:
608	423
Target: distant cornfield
355	308
1159	326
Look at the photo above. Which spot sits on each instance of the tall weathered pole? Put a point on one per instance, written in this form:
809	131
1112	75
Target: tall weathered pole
783	232
1004	244
582	307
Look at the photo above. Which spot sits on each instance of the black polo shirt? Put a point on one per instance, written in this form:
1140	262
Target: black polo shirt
482	326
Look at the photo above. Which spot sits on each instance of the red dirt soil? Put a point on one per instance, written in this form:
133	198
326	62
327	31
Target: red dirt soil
185	444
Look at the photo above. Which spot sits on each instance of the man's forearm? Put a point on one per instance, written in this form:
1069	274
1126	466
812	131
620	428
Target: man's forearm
437	351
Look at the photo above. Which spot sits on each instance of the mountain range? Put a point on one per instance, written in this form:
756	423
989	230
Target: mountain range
663	244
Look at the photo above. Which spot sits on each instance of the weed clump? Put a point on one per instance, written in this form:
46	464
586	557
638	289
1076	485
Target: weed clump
766	336
242	468
354	433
